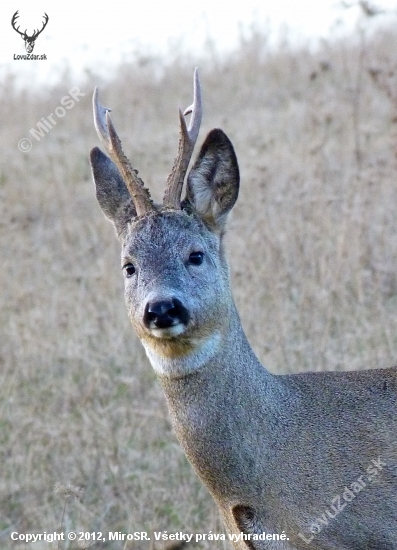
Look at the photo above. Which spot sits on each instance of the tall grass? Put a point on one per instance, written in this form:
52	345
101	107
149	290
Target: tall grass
85	438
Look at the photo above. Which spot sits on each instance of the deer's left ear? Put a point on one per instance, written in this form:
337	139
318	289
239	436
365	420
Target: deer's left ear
213	182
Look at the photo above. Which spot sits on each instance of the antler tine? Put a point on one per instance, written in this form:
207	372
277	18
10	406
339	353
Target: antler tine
14	21
37	32
187	141
107	134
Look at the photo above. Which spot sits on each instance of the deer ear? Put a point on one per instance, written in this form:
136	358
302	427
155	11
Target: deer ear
213	182
111	191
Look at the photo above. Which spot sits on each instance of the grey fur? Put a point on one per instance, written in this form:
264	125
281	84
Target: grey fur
276	452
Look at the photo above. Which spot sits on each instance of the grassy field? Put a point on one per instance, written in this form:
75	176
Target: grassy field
85	438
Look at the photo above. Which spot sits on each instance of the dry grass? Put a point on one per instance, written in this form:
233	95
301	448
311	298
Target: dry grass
85	439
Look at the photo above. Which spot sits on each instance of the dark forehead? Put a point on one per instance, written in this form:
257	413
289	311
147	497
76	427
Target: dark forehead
161	229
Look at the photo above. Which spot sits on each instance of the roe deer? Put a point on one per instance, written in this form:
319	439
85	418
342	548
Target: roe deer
293	461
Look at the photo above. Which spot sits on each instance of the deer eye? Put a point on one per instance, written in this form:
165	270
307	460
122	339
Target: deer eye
129	269
196	258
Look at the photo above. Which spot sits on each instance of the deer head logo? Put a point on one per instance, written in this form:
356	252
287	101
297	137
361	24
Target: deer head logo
29	40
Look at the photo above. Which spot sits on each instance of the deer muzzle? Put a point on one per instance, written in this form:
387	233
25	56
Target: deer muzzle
166	318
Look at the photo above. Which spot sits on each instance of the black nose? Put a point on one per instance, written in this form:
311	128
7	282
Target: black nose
165	314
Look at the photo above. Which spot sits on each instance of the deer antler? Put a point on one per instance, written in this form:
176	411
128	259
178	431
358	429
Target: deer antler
24	35
13	21
187	141
107	134
37	32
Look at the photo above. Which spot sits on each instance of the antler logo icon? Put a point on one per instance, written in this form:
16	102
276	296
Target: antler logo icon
29	40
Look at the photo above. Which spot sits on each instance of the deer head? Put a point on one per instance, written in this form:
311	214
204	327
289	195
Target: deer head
29	40
176	276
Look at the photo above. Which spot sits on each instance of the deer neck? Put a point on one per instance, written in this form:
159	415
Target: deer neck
200	354
212	405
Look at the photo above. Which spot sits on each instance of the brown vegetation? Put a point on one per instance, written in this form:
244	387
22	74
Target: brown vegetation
85	439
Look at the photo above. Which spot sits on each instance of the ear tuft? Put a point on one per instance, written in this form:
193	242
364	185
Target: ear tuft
213	182
111	191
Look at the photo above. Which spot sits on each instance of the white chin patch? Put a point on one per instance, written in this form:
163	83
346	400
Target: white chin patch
169	332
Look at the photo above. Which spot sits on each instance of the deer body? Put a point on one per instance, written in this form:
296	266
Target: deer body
311	457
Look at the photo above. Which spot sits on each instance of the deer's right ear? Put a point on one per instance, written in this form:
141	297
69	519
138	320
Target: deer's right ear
111	191
213	182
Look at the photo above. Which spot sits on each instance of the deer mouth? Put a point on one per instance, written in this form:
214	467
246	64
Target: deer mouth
168	332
